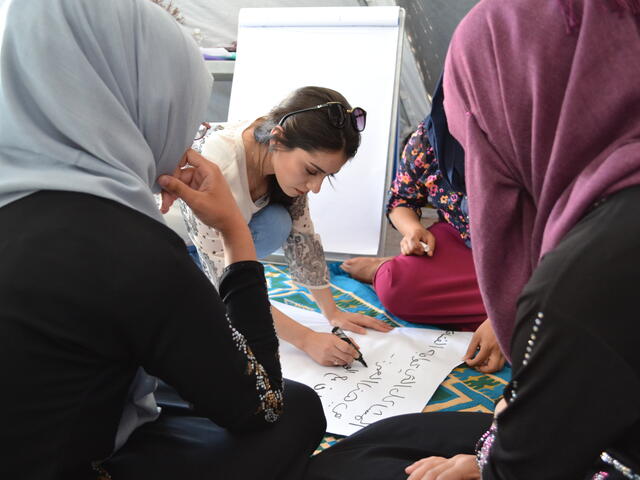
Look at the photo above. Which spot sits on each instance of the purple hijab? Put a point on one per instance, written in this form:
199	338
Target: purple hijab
544	96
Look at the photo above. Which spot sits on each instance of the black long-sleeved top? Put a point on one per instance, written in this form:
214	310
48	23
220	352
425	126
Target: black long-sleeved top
89	291
576	371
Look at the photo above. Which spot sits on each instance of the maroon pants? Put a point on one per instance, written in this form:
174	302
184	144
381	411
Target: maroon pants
439	290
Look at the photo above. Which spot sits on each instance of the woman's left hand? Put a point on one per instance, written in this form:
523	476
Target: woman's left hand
460	467
356	322
489	357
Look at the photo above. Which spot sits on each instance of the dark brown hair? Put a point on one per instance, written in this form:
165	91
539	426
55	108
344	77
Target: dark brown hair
310	131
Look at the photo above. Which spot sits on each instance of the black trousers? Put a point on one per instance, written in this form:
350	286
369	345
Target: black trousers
384	449
181	446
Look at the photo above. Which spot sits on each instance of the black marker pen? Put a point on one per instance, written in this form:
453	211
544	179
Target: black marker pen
341	335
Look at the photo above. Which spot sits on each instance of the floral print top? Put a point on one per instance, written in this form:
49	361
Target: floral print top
419	183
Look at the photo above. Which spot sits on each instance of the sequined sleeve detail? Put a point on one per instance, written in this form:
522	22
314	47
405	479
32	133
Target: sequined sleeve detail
483	447
271	399
601	476
303	249
536	354
208	243
618	466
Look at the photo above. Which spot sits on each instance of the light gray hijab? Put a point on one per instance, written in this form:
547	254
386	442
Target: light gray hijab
100	97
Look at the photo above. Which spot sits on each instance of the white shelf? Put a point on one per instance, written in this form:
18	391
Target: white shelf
221	69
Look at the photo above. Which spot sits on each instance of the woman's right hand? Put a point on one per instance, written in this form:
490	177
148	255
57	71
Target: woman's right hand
411	242
201	185
327	349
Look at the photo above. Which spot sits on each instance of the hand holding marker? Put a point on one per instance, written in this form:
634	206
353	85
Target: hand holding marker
342	336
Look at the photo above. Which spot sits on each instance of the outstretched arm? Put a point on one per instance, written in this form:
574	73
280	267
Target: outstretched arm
305	255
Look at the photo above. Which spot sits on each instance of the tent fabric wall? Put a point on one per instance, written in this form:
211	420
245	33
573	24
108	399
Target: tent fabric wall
429	24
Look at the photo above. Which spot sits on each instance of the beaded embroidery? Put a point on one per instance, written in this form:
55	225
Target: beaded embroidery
483	447
600	476
623	469
512	389
271	400
100	471
537	323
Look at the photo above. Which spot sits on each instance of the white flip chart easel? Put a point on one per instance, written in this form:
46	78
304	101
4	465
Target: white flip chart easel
356	51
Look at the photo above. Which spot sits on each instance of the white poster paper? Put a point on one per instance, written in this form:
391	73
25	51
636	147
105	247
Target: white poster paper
405	367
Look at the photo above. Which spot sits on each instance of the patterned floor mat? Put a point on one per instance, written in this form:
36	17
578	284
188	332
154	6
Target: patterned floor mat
464	389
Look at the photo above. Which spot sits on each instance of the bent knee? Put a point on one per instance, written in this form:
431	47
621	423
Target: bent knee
303	402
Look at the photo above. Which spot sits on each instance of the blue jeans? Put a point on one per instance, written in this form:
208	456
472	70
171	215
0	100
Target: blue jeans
270	227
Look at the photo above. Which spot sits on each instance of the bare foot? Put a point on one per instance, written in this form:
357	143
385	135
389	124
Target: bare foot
363	268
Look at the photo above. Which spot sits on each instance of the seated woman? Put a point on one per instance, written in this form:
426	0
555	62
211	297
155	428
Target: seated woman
271	164
433	281
554	197
94	287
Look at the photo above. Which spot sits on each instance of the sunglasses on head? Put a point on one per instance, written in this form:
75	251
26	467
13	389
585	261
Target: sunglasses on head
337	115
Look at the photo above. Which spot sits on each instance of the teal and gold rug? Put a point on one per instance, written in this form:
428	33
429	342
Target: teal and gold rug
464	389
